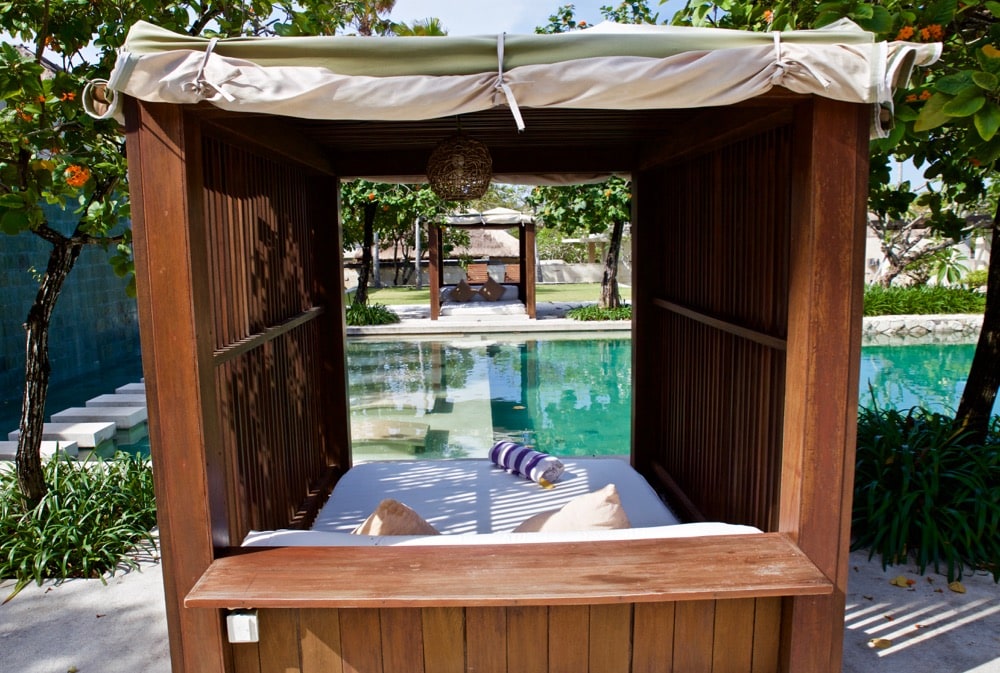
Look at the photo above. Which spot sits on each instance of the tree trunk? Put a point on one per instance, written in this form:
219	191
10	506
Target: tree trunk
365	272
984	376
36	371
610	296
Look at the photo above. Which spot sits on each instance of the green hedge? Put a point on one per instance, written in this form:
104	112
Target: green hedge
922	300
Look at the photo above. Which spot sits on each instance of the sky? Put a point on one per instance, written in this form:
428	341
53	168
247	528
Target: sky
489	17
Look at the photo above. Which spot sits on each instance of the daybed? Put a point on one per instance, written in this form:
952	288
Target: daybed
747	154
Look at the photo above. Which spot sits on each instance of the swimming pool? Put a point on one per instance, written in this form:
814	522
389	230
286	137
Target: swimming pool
454	398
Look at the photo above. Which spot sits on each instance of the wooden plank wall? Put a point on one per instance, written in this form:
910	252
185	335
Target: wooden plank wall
711	325
269	330
738	636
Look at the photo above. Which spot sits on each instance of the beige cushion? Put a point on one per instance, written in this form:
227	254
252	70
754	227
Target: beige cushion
600	510
392	517
492	290
462	292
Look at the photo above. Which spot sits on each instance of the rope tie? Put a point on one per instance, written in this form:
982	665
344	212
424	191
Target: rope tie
201	86
784	66
503	86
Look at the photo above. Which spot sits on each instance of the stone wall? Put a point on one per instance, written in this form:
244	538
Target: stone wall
890	329
94	325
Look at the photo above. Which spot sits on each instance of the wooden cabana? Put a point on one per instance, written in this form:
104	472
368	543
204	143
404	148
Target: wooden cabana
748	225
499	218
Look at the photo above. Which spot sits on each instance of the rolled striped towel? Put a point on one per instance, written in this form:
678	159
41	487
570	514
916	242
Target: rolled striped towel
522	461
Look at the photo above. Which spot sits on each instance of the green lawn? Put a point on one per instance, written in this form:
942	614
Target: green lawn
567	292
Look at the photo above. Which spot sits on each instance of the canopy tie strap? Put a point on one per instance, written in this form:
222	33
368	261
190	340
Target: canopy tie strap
201	86
783	65
503	86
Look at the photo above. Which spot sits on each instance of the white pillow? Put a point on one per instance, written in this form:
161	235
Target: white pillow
600	510
392	517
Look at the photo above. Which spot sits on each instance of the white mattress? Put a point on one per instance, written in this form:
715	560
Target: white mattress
475	496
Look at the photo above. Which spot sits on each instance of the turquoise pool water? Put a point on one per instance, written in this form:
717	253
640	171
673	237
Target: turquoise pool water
571	397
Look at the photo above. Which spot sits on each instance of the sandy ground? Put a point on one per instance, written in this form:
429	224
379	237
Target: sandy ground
90	627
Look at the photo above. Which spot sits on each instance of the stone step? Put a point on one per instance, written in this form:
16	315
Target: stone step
8	450
86	435
123	417
130	388
118	400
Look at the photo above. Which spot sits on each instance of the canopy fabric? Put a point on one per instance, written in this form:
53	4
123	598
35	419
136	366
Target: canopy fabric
611	66
494	217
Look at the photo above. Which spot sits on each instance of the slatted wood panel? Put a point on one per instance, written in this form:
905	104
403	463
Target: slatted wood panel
711	409
705	636
268	331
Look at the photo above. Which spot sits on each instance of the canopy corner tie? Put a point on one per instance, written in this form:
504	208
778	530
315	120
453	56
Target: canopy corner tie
503	86
201	86
784	65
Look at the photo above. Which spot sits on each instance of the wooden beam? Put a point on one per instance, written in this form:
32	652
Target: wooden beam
709	131
169	245
826	280
273	136
590	573
722	325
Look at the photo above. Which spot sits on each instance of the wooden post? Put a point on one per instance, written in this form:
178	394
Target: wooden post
829	201
528	266
435	267
168	226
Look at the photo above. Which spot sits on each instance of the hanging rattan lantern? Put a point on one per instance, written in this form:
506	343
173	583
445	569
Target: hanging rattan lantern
460	168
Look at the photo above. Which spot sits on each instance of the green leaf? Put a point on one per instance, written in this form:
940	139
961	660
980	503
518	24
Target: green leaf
994	8
941	12
966	103
986	81
14	222
932	115
987	121
880	21
954	84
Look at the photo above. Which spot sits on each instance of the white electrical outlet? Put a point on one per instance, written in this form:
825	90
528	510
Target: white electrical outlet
242	626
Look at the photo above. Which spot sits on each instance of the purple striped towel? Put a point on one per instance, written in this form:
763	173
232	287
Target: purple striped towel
522	461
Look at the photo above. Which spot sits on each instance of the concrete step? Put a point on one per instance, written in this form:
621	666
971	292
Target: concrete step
123	417
130	388
8	450
118	400
86	435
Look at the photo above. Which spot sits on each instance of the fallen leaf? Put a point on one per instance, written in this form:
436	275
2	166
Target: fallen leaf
900	581
939	591
869	598
930	580
880	643
889	617
957	587
72	669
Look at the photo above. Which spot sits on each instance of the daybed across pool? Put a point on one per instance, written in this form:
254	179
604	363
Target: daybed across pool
747	154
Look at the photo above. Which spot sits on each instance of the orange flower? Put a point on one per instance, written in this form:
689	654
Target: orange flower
768	15
905	33
582	24
76	175
912	98
932	32
975	162
371	196
40	98
68	96
925	94
25	116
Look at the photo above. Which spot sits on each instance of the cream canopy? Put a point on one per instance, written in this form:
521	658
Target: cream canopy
610	66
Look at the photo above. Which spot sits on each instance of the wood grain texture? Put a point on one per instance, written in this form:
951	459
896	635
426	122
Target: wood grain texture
694	632
569	638
528	639
610	638
732	651
444	640
361	641
742	566
320	641
486	639
402	640
653	638
279	644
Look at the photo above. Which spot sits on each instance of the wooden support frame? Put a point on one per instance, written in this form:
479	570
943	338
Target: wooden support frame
789	380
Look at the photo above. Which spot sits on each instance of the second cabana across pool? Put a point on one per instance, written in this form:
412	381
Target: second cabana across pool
748	159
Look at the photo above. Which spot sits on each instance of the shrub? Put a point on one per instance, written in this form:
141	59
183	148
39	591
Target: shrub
976	279
598	313
922	300
359	315
922	491
94	516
